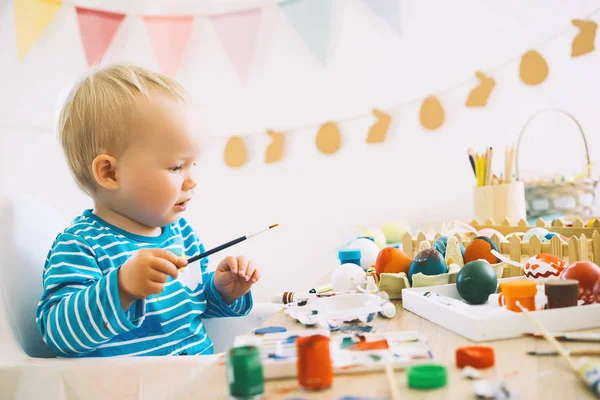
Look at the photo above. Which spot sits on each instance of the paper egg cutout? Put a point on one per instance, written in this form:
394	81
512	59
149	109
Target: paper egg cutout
341	279
427	262
393	261
587	273
480	249
235	152
542	267
534	68
476	281
368	252
394	231
377	235
441	243
432	113
329	139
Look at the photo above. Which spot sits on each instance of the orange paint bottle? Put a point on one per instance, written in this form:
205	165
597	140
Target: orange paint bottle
523	291
315	369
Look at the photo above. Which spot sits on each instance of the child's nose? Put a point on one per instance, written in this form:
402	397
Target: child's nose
189	184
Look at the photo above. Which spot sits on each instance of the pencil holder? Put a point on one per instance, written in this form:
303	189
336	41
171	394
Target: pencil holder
499	202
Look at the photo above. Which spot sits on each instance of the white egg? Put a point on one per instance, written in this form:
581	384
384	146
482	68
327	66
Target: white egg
537	231
368	252
341	279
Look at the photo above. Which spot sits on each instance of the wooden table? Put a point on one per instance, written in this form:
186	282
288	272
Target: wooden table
533	377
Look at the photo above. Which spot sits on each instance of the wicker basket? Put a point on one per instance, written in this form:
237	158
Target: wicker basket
563	198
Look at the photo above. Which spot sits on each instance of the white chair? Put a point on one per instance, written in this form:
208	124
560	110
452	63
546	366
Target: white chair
28	226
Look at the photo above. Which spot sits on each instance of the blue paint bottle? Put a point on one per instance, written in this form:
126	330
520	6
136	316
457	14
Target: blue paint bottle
349	256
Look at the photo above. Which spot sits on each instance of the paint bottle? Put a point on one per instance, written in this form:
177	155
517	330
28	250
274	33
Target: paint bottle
562	292
245	373
349	256
590	374
523	291
315	369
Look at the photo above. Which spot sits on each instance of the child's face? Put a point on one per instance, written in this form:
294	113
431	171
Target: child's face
155	171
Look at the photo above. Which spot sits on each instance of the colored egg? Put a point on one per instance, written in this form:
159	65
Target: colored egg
597	291
427	262
542	267
394	231
489	232
480	249
587	273
368	252
343	276
392	260
376	234
441	243
541	233
476	281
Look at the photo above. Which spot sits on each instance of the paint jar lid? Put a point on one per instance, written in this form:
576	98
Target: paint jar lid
269	329
519	288
348	254
475	356
427	376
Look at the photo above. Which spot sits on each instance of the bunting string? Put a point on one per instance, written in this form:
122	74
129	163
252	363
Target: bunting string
238	31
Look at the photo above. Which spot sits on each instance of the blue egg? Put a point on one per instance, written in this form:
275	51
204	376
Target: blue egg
428	262
441	243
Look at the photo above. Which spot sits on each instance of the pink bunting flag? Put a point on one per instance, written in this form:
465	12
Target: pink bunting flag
238	34
97	29
169	36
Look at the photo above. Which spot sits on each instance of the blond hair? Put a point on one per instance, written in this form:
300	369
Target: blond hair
96	114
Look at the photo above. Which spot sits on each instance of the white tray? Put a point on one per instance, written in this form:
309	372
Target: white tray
485	322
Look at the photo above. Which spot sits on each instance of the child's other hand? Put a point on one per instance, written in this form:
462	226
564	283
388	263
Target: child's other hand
145	274
234	277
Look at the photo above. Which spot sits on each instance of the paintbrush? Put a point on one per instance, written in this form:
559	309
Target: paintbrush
583	352
571	337
228	244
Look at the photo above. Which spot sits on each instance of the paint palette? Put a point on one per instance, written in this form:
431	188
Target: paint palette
350	353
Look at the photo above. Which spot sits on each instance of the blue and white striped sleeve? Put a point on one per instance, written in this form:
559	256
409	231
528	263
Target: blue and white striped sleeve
216	307
80	307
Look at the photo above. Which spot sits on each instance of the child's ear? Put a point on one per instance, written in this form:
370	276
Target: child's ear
104	168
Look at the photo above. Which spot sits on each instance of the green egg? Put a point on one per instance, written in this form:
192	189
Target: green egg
476	281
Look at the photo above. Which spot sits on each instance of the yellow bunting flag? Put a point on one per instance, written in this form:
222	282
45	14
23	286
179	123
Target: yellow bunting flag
533	69
379	129
432	113
479	95
584	41
235	152
274	151
31	18
329	138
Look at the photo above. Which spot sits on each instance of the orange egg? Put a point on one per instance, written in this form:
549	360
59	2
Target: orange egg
392	260
480	249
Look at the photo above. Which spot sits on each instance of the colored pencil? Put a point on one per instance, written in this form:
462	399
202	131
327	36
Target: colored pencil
571	337
228	244
573	353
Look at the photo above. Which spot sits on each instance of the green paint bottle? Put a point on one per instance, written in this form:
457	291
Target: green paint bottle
245	373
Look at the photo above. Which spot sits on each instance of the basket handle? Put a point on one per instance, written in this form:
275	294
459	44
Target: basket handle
587	151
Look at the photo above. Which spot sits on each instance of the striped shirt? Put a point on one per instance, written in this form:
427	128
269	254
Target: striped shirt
80	314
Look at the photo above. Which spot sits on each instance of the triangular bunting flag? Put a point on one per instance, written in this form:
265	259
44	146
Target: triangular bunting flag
238	32
97	29
388	10
31	18
169	36
312	20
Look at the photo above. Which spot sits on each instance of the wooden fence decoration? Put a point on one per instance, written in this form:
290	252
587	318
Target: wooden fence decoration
583	243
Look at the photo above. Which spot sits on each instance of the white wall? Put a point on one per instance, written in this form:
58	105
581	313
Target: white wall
418	176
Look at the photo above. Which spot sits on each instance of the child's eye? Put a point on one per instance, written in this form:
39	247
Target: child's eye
177	168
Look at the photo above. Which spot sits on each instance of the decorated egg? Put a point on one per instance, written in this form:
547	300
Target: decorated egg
587	273
476	281
597	291
541	233
368	252
542	267
480	249
427	262
394	231
392	260
342	277
441	243
489	232
376	234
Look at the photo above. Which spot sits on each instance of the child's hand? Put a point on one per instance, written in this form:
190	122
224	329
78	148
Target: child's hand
145	274
234	277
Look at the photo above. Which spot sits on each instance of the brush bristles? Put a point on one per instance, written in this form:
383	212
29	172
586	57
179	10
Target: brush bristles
273	226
